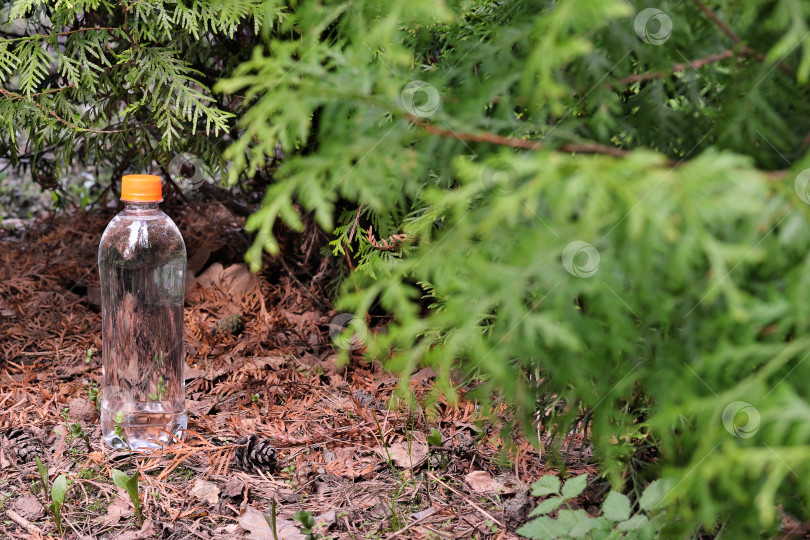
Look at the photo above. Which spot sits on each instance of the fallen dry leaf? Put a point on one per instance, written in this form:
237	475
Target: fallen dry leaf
253	521
118	508
423	375
482	482
405	456
236	280
326	520
29	507
201	407
205	491
234	487
147	531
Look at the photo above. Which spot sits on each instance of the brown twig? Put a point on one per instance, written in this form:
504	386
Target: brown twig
356	219
677	68
475	137
745	50
15	95
716	20
67	33
525	144
22	522
466	499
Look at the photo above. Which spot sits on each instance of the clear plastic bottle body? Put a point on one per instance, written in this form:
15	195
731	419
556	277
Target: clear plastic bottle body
142	266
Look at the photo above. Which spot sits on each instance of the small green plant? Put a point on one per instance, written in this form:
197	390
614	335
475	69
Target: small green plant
271	519
255	398
118	421
162	389
435	437
89	355
93	395
74	430
130	485
55	496
307	525
615	520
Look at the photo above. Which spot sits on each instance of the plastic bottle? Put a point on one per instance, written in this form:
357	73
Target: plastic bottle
142	266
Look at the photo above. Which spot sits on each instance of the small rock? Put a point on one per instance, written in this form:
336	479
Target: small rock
81	410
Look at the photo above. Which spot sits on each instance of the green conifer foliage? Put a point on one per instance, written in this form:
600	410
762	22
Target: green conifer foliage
118	85
596	210
599	203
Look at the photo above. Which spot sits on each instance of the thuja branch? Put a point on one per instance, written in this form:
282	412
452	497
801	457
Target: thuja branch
716	20
746	50
524	144
67	33
14	95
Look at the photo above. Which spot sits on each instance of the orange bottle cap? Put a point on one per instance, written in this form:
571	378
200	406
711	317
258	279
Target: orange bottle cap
141	188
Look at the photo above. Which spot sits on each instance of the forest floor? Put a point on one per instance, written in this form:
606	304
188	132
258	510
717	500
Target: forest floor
363	463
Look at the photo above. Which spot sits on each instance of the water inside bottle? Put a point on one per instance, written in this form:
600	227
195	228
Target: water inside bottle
142	403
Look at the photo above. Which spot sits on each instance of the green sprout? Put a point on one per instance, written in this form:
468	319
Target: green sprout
307	527
118	421
130	485
162	390
56	494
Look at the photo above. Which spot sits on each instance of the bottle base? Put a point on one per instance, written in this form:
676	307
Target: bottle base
142	430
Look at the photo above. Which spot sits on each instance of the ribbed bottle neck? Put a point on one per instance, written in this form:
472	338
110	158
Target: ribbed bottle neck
140	206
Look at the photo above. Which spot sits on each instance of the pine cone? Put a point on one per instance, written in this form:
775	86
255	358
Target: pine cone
24	443
257	454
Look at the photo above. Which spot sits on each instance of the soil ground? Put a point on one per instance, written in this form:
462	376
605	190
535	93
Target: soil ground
350	452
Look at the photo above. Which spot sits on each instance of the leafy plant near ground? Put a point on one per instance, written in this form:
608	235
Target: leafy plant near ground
592	217
307	524
54	494
130	485
615	521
